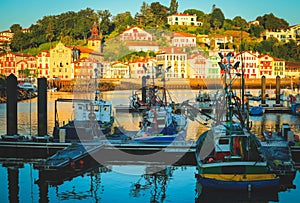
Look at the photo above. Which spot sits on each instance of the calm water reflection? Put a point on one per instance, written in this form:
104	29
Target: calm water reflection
23	183
172	184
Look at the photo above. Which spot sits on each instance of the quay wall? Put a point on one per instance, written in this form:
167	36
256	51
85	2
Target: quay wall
127	84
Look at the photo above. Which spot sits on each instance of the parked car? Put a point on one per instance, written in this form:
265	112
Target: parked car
28	86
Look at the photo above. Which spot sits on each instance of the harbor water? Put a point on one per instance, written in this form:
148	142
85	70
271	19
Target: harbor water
21	182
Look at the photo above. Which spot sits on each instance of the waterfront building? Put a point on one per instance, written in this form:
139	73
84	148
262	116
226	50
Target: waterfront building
266	66
19	64
279	67
197	66
181	39
25	66
184	19
43	64
175	58
292	69
84	68
141	67
118	70
249	62
60	62
135	34
8	63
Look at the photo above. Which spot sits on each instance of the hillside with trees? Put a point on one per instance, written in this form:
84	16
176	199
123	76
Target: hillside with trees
74	28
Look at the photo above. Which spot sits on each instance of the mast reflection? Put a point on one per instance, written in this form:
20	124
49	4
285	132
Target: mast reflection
155	182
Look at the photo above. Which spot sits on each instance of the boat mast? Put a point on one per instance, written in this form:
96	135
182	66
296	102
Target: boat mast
229	95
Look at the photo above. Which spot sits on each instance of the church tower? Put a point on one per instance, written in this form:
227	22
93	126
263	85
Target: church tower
94	42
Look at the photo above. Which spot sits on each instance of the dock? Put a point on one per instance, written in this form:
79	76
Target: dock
118	153
278	109
115	152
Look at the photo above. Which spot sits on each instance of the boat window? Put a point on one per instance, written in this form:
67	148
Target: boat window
106	108
96	108
223	141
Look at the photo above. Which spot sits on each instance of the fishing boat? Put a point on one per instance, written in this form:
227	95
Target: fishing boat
93	119
162	125
228	155
162	121
295	104
276	148
256	111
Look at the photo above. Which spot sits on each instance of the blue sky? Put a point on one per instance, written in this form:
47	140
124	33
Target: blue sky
27	12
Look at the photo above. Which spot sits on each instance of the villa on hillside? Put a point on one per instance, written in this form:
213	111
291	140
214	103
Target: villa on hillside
142	46
285	35
135	33
181	39
184	19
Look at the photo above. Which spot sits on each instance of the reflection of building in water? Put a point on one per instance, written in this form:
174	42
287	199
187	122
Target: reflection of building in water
273	122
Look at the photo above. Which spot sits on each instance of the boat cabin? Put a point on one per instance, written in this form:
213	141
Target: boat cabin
96	110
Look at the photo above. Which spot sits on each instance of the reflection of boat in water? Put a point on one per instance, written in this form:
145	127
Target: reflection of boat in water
154	180
228	155
227	196
93	119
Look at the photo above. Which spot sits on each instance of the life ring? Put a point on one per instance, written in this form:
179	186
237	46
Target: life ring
92	116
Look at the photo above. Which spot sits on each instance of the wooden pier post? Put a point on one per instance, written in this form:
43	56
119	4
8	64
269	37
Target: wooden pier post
144	83
11	106
263	92
42	106
277	91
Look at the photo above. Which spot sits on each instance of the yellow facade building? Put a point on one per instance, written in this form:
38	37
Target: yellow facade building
60	62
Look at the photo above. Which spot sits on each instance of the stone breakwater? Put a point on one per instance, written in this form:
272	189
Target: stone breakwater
21	95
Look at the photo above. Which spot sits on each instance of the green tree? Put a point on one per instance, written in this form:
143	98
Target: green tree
105	23
15	28
160	13
20	42
217	18
238	21
271	22
256	30
173	7
114	50
228	24
122	20
199	14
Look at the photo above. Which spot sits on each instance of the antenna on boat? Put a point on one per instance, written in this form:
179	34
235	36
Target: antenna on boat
226	67
97	92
